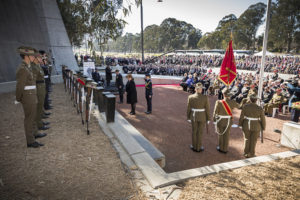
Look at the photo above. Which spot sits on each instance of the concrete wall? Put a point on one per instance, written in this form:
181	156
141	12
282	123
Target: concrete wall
35	23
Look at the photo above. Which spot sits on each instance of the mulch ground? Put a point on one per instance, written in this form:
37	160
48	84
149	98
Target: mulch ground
272	180
167	128
71	165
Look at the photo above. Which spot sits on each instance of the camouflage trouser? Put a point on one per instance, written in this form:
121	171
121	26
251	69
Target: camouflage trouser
268	108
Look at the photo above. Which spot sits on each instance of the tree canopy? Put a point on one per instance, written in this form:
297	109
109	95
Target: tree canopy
97	20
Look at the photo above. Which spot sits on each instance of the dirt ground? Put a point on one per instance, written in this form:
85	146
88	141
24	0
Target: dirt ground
167	128
71	165
272	180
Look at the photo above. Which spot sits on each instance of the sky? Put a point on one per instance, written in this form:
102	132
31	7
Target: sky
202	14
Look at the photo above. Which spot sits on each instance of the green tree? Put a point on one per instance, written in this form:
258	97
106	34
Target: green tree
247	25
285	24
75	17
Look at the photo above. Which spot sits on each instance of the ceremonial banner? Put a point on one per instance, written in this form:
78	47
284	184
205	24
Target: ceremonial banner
228	68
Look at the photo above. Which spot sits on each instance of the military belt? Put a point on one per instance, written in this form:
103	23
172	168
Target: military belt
251	119
196	110
30	87
220	118
37	82
46	76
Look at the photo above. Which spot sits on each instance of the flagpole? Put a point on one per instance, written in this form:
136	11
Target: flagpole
265	42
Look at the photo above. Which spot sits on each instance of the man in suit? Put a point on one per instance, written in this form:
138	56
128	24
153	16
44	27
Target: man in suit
120	85
252	120
108	75
198	115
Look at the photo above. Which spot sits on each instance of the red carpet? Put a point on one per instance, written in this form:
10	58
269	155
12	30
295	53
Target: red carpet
159	85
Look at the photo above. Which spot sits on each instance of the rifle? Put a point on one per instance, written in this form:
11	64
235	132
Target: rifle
81	97
261	136
64	76
71	85
207	128
89	103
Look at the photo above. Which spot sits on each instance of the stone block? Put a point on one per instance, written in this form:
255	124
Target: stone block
290	136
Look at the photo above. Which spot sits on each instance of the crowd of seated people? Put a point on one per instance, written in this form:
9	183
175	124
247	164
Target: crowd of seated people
276	93
180	64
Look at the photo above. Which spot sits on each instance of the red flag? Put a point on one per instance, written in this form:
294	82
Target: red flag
228	69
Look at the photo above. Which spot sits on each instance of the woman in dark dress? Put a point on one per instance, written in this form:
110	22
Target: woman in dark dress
131	93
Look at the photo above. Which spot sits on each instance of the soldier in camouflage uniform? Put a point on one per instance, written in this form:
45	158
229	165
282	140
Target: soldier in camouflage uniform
198	114
252	120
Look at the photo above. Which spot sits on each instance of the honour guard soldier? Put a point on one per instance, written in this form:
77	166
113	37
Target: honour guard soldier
276	100
26	94
38	74
223	119
120	85
252	121
149	93
198	114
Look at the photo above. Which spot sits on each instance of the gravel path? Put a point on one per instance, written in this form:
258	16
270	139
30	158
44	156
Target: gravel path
71	165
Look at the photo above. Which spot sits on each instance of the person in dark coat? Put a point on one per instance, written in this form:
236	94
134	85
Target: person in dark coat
108	75
119	85
294	89
131	93
149	93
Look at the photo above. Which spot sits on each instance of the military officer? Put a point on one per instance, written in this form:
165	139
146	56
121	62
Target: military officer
223	119
198	115
26	94
120	85
276	100
38	74
252	120
148	93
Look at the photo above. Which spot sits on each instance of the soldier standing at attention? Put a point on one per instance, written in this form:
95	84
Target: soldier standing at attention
44	66
223	118
26	94
252	121
198	114
38	73
149	93
120	85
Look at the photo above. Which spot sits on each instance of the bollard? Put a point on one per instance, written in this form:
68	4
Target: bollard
110	106
102	105
97	92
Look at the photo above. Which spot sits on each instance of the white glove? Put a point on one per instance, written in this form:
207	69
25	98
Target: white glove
240	127
16	102
208	122
189	121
